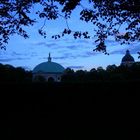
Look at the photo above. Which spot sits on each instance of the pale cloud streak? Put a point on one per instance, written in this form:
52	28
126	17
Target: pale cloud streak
76	67
12	59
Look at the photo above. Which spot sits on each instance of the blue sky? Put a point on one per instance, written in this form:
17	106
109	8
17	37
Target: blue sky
77	54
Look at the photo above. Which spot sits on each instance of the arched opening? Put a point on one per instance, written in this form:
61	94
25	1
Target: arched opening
51	79
59	79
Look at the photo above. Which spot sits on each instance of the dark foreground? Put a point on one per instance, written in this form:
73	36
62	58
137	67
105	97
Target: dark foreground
70	111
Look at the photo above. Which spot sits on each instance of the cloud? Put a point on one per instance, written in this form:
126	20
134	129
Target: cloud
16	54
39	44
70	55
110	41
134	48
72	47
33	54
12	59
5	59
87	54
76	67
57	45
20	58
67	56
71	41
91	53
120	51
75	55
60	57
44	44
83	41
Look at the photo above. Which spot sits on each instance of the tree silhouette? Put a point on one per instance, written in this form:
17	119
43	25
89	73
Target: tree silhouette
10	74
107	16
112	74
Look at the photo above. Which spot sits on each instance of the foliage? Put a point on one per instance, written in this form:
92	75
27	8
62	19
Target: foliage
107	15
10	74
111	74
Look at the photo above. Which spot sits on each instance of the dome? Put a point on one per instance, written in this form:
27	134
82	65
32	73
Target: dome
48	67
128	57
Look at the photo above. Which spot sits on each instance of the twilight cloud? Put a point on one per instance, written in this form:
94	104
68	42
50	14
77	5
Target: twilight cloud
76	67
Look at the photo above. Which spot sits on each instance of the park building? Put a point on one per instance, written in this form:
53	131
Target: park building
127	60
48	71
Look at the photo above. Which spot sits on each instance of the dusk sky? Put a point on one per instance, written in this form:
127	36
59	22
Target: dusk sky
77	54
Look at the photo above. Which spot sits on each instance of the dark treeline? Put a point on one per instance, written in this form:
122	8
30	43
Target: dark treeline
10	74
113	73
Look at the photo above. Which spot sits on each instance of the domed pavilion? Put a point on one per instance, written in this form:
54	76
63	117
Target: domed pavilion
49	71
127	60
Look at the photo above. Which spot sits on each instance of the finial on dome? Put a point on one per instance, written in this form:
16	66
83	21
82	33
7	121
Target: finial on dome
49	58
127	52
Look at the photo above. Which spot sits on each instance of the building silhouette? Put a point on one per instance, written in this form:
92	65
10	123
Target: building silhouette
127	60
48	71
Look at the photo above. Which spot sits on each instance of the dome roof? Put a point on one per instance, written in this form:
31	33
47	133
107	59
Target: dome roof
49	67
128	57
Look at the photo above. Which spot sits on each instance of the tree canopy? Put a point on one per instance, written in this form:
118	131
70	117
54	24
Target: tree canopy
108	15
